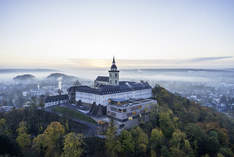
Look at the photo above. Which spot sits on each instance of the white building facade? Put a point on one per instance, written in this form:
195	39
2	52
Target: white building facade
56	100
91	98
127	113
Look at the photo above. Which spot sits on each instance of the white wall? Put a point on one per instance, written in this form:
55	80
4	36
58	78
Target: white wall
103	99
48	104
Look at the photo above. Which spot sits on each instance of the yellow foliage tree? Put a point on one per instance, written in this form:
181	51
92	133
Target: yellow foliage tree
72	145
49	143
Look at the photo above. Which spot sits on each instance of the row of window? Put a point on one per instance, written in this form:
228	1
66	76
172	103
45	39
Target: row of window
115	75
115	81
117	110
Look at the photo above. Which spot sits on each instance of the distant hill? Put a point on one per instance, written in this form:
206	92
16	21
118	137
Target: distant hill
25	77
55	76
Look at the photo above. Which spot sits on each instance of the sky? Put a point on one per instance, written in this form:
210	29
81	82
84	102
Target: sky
88	33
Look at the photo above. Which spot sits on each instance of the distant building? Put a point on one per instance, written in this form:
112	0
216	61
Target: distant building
6	108
126	113
56	100
24	93
106	88
1	97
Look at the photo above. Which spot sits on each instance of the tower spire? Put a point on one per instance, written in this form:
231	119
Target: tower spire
113	74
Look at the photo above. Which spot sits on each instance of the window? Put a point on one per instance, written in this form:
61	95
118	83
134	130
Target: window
121	126
115	75
115	81
113	109
129	114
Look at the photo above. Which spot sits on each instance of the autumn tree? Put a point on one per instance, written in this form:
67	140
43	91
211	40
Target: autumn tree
72	145
51	140
39	144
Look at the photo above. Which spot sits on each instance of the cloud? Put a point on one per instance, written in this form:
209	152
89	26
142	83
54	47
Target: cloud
205	62
210	58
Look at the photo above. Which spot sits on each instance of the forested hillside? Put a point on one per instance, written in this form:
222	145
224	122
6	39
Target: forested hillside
177	128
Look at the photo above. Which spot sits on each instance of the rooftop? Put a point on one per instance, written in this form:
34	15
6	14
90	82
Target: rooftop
56	98
124	86
102	78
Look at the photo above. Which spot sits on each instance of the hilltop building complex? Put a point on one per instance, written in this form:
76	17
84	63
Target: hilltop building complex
111	87
126	102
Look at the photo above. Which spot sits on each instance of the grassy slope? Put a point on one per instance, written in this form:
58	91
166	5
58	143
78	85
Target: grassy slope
73	114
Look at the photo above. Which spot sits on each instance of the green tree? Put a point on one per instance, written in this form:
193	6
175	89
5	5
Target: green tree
188	149
67	126
140	140
197	138
177	139
180	145
166	124
220	155
153	153
112	144
212	143
23	139
2	126
156	138
175	152
165	151
72	145
127	143
226	152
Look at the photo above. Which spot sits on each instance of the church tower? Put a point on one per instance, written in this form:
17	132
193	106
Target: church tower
114	74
